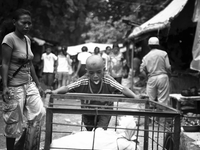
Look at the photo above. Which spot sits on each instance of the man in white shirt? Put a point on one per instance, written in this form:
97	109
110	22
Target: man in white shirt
49	62
106	57
82	57
156	66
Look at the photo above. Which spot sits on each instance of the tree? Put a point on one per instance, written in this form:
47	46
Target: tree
106	25
57	20
65	21
105	31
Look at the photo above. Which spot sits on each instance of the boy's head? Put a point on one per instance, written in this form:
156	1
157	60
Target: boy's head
95	68
48	50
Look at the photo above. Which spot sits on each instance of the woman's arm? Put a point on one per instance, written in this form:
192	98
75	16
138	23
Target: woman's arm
33	74
68	59
6	53
78	68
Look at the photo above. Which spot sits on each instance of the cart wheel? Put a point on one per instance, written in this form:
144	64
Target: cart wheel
169	142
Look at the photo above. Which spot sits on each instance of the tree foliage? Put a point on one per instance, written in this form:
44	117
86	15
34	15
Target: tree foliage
72	22
113	20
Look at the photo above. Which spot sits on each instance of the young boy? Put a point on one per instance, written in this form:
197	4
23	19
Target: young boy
96	81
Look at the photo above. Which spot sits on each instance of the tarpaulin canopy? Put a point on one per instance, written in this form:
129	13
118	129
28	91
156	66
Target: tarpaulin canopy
39	41
73	50
161	20
195	64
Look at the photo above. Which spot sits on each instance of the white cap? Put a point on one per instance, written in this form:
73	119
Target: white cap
153	41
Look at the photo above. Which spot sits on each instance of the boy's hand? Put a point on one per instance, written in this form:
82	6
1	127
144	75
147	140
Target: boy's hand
137	97
143	96
48	91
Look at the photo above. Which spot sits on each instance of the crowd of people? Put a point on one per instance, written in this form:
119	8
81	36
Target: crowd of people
59	68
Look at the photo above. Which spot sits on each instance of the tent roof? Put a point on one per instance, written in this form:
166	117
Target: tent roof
161	20
73	50
41	42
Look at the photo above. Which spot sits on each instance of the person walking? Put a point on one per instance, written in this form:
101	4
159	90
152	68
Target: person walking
21	88
116	63
156	66
82	57
49	67
106	57
64	69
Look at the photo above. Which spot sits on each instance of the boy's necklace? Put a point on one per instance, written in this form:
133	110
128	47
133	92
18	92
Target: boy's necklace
99	88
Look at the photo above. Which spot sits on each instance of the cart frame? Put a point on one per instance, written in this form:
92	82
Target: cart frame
172	136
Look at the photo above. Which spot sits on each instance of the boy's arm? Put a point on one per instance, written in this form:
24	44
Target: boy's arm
61	90
115	85
128	93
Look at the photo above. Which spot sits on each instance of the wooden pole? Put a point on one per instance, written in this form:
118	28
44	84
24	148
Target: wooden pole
132	71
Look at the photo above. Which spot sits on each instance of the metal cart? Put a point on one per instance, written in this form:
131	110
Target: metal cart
158	126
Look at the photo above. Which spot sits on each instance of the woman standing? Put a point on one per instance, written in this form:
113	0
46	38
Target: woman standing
116	63
20	91
64	69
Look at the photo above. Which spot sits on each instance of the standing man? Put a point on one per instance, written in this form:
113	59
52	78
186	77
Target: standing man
156	66
82	57
49	62
106	57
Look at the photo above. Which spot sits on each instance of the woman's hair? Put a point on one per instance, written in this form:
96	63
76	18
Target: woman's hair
20	12
115	45
97	48
108	47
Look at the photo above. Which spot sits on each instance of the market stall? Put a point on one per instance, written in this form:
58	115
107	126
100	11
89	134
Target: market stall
74	50
177	100
177	26
190	125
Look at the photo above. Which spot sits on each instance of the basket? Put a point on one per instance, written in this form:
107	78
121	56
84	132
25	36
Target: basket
191	128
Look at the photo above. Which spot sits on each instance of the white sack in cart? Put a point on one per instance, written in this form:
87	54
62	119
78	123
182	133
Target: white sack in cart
103	140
